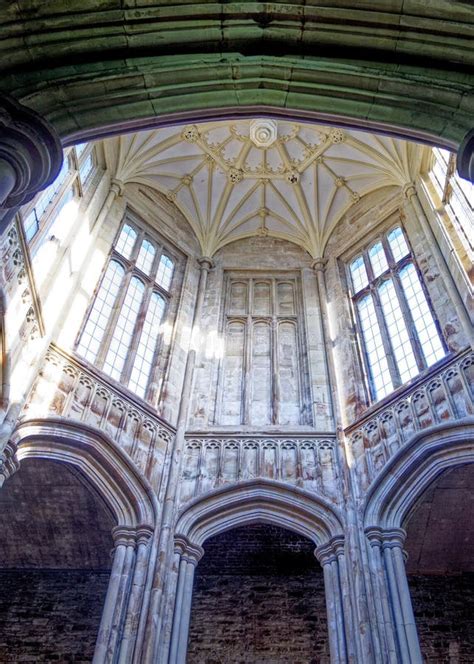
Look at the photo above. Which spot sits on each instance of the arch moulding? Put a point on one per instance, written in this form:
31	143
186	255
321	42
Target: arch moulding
110	471
409	473
259	501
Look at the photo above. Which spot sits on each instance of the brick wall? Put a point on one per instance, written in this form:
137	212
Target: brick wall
50	615
258	598
444	613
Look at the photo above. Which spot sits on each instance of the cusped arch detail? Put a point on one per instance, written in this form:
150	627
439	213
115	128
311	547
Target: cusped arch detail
394	494
108	468
259	501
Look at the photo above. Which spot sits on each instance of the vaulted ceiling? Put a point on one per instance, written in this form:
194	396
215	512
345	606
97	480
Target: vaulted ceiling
242	178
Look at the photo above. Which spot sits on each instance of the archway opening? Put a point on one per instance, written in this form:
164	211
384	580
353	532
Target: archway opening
440	566
258	597
55	563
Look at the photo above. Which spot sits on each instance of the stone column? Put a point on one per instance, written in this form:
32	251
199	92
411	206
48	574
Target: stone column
189	556
117	594
396	621
363	640
165	544
331	557
135	600
30	156
461	312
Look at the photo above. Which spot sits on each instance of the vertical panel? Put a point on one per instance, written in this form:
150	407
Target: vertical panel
288	371
238	303
286	299
232	388
260	375
261	298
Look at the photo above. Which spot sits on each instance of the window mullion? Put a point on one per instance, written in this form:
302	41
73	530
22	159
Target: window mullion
108	334
153	378
137	332
387	344
362	344
417	350
246	369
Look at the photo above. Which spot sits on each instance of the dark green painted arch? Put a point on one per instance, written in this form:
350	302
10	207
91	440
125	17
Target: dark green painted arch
93	67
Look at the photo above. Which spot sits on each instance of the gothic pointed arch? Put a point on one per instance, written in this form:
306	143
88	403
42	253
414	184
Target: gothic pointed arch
259	501
110	471
394	494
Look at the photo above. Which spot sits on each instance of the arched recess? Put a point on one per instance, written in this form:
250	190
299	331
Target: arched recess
107	467
130	499
259	501
391	500
406	476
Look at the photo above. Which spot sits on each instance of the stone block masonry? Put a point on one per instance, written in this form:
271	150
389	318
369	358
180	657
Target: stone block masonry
444	613
50	615
258	597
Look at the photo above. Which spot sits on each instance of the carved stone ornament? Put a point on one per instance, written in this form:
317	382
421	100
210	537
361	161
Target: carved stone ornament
263	133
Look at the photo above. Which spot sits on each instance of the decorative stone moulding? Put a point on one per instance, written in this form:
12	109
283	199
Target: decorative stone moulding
263	133
443	396
30	155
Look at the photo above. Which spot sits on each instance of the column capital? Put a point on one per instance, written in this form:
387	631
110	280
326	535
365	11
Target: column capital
31	148
188	551
144	534
386	538
124	535
319	264
117	187
409	190
205	263
330	551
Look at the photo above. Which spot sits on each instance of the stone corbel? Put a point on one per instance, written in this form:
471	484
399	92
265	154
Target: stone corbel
30	156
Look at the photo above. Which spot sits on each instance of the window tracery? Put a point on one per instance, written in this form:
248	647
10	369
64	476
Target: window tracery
123	331
397	330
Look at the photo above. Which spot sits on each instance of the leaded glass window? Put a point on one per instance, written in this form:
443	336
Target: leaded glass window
123	331
398	333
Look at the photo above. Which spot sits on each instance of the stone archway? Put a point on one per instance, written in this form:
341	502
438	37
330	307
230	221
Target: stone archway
392	500
133	506
262	502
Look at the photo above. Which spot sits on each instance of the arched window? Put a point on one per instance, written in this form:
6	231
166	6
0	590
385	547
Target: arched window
398	333
124	328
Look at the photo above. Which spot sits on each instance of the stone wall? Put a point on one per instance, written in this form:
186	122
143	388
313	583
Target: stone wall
50	615
258	597
444	614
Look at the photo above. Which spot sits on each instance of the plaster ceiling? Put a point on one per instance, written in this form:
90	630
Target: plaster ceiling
242	178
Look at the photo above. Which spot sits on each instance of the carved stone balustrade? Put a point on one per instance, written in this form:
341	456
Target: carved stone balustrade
65	387
306	461
446	394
